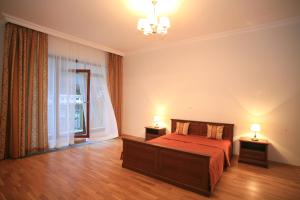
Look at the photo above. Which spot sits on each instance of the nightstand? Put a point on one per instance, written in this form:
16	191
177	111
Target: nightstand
154	132
254	152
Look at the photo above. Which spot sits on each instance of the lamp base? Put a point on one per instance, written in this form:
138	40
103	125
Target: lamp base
254	139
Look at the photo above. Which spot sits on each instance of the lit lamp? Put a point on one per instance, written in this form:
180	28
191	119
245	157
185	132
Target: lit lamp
255	128
156	121
154	24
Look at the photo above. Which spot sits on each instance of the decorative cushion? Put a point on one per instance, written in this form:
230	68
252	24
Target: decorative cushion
215	132
182	128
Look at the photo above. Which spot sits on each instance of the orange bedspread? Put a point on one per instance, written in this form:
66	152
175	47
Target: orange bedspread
218	150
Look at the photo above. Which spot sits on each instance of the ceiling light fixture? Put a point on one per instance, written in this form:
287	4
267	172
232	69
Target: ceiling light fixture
154	24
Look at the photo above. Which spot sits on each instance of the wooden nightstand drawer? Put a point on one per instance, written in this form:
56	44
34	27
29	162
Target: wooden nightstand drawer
252	154
154	132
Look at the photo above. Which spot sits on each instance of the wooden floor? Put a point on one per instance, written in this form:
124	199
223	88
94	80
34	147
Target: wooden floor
94	172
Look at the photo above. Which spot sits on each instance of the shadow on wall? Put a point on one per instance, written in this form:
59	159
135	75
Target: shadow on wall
283	131
279	127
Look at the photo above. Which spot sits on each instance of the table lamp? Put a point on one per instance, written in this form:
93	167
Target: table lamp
156	121
255	128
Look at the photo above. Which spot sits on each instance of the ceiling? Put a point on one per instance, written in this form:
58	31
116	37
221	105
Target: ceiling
113	23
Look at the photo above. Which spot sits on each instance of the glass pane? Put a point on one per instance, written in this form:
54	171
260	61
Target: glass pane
80	106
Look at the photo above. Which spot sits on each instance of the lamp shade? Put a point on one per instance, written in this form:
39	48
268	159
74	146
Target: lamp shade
255	127
156	119
142	23
164	22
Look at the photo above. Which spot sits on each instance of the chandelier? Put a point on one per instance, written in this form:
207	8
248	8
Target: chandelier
154	24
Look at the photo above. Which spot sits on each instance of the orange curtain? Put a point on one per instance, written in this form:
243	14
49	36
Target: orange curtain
23	125
115	84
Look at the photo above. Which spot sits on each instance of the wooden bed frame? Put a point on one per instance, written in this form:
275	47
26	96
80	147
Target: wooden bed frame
185	169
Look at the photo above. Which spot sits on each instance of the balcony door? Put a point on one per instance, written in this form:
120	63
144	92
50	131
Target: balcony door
82	105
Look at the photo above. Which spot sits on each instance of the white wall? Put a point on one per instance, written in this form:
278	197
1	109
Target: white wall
243	78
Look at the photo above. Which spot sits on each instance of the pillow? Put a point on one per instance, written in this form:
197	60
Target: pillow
214	132
182	128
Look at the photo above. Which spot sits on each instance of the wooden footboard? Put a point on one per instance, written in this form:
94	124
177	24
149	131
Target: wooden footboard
184	169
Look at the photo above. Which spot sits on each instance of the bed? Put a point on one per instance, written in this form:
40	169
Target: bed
192	162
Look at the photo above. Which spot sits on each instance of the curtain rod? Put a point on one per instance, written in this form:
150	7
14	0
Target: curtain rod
75	60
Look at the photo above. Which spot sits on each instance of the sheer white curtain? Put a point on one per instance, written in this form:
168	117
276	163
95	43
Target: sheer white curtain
102	119
81	82
64	58
61	101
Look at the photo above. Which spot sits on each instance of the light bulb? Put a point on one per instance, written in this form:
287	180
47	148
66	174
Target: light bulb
255	127
164	22
152	20
161	30
147	29
141	24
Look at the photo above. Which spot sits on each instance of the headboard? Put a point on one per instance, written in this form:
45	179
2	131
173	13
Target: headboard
200	128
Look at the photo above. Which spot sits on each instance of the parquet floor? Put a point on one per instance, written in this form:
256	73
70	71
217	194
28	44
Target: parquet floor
94	172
